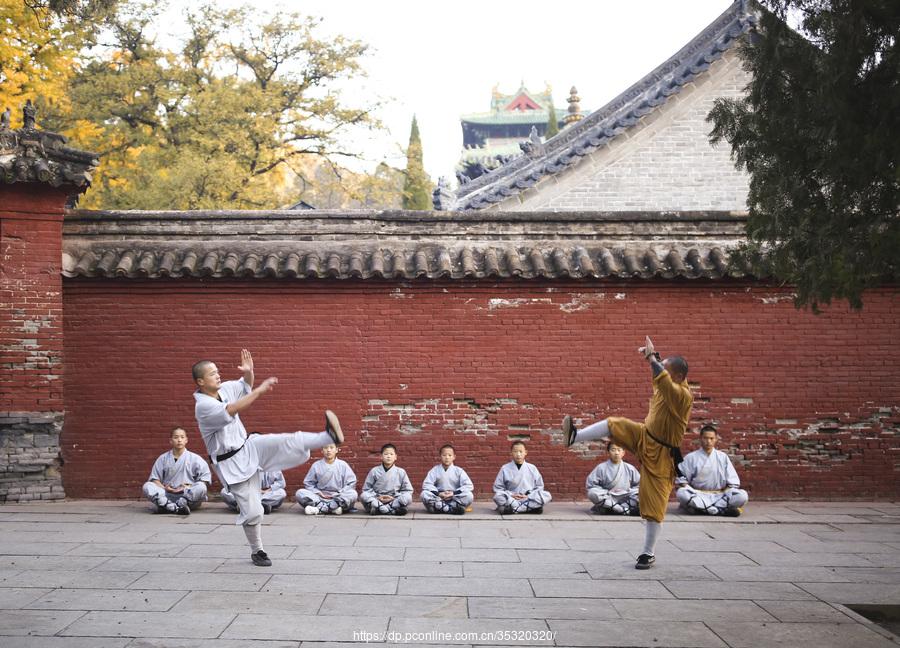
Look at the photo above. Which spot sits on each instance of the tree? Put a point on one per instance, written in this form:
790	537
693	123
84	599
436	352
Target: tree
325	185
37	57
552	123
818	133
217	122
417	187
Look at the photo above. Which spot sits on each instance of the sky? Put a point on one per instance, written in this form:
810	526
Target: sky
439	60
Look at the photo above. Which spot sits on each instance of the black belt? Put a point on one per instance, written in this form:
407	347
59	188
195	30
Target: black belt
229	454
675	451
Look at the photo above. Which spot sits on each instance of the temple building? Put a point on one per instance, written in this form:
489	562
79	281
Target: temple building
490	138
647	149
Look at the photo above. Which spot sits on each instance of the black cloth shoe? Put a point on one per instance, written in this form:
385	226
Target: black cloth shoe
536	511
644	561
182	508
400	512
333	427
267	508
261	559
569	430
733	512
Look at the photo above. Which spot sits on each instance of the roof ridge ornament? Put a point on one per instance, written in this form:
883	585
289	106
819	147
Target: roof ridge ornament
533	147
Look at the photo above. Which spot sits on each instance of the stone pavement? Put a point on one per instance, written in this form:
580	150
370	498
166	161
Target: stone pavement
87	574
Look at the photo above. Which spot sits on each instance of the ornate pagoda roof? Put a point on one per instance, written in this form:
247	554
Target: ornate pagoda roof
600	127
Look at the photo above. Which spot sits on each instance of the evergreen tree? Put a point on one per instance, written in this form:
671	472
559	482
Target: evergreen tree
418	186
819	134
552	123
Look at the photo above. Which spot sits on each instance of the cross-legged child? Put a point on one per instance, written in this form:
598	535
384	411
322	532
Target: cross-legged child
387	489
178	479
519	487
329	486
447	488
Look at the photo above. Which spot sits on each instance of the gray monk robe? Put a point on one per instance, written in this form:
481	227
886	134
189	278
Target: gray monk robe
453	479
189	468
336	479
613	488
712	484
394	482
525	480
271	488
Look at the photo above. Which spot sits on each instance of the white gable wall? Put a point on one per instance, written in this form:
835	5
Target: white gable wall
665	162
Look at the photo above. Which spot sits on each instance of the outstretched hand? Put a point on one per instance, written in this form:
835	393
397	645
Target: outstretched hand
246	365
647	351
267	384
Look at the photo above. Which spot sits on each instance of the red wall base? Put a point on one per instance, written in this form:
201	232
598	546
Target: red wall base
808	406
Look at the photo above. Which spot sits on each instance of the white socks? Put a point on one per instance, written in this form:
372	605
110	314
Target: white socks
651	533
593	432
254	536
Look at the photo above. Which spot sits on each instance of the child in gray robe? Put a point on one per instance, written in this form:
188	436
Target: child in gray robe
387	489
178	479
613	485
329	486
271	489
519	487
447	488
709	482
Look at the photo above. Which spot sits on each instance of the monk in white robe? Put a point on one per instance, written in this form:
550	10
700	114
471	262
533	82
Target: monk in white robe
178	479
271	489
710	484
239	459
387	489
613	485
329	487
519	487
447	488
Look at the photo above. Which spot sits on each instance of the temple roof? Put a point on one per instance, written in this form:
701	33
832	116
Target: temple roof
31	155
600	127
373	245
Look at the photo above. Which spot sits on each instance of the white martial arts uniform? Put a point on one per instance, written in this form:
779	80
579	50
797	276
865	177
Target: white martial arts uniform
710	483
336	479
524	479
613	488
393	482
452	479
189	468
223	433
273	497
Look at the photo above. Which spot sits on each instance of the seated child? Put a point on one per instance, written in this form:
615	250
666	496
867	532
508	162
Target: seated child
613	485
179	477
387	490
710	484
519	487
447	488
271	488
329	486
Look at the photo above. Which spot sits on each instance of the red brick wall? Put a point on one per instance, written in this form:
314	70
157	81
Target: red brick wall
809	405
31	299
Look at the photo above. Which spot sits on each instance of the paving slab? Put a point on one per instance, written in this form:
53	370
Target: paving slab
543	608
744	591
399	605
36	622
303	627
526	570
802	612
337	584
251	602
202	625
450	632
678	610
405	568
71	578
97	599
15	598
202	581
690	634
65	642
798	635
512	587
618	589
